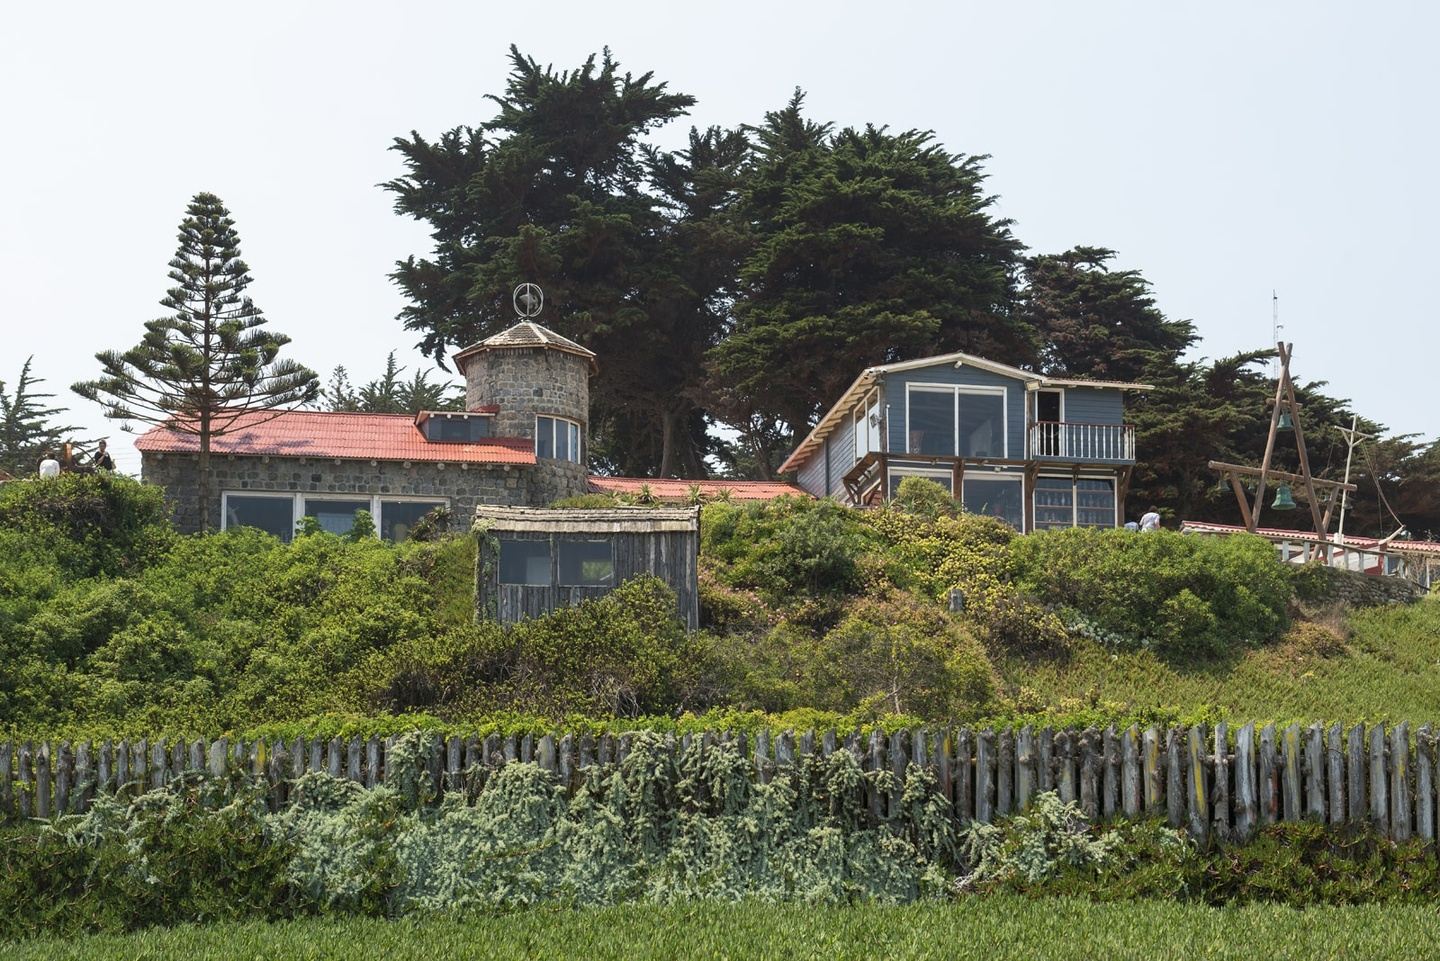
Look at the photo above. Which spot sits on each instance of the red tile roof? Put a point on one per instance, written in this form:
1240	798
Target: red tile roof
673	489
312	433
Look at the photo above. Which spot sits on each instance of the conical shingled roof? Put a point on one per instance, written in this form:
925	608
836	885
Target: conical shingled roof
526	334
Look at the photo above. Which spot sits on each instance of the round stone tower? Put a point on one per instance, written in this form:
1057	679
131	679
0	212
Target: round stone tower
539	385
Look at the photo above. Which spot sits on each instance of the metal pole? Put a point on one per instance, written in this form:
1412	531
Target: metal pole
1352	437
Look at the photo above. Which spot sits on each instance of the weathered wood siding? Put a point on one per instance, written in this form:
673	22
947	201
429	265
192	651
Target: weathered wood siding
672	556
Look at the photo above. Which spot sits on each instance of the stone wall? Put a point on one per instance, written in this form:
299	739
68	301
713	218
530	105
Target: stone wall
464	487
526	382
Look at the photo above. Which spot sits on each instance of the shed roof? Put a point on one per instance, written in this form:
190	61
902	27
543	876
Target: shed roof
610	520
525	335
329	434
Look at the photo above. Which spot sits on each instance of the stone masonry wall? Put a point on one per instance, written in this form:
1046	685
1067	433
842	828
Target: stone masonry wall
465	488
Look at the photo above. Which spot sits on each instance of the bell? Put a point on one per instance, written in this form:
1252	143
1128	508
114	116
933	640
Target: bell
1284	501
1285	422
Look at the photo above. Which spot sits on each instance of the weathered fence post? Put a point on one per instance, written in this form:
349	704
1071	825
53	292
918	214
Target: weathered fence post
42	781
1090	773
1046	761
944	767
1246	800
1400	781
1130	777
1379	789
1220	790
1425	783
24	785
1290	758
965	775
985	776
897	772
1199	792
1269	777
1005	774
64	774
1065	751
7	801
1335	773
104	773
1315	773
1110	781
1024	767
1154	773
1174	779
545	753
1355	775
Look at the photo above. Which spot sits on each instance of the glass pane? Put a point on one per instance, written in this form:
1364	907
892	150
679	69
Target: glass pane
337	517
586	564
872	424
995	498
1095	503
458	429
273	515
562	441
982	425
944	480
1054	503
398	518
862	436
932	422
544	437
525	562
575	443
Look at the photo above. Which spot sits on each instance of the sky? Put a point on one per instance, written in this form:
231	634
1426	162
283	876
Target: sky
1225	150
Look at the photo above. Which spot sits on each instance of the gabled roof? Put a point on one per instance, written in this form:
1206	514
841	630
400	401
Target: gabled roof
524	335
673	489
959	358
326	434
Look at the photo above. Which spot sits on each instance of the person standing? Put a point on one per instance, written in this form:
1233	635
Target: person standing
49	466
1151	520
102	460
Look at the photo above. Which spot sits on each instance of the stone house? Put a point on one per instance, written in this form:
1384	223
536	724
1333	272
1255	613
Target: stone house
522	441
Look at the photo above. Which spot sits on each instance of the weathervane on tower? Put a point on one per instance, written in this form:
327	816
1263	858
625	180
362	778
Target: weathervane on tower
528	299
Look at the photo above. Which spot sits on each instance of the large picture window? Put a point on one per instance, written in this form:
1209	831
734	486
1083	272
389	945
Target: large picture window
950	421
996	497
335	516
398	518
1067	502
273	515
557	438
457	429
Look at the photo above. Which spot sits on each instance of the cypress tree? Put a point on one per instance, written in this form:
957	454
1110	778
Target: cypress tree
210	363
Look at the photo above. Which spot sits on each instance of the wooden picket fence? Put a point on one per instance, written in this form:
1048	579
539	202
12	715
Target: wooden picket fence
1215	782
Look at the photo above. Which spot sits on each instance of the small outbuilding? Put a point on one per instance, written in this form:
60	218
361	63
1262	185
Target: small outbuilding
535	560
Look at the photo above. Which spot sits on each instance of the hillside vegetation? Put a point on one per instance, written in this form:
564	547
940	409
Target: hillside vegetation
813	614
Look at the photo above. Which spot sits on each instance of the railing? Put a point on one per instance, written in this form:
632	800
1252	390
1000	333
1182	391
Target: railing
1070	440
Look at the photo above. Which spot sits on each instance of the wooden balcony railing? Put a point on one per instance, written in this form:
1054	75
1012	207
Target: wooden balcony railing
1070	440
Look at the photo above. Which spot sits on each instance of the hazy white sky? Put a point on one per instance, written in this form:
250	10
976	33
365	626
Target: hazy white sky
1223	149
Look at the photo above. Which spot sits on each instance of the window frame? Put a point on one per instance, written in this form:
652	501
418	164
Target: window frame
867	438
573	438
225	496
297	503
955	390
560	543
988	476
1074	483
548	543
469	419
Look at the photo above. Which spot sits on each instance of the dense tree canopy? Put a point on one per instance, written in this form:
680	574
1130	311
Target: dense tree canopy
733	288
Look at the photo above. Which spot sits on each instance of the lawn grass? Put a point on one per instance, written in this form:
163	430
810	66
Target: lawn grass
1389	669
991	927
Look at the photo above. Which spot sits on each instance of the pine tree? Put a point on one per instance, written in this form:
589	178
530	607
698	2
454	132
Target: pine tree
26	428
338	394
209	364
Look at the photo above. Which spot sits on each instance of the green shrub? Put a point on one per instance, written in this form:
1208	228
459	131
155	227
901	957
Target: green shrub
925	499
1180	594
88	524
789	550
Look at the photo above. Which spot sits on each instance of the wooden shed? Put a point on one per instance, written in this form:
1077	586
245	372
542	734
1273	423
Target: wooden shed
534	560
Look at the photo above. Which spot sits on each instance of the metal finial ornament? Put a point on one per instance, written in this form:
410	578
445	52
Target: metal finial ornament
528	300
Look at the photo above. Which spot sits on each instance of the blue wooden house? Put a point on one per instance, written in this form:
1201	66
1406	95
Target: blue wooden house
1039	452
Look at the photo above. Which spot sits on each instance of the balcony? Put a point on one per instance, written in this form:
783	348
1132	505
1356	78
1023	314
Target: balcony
1072	441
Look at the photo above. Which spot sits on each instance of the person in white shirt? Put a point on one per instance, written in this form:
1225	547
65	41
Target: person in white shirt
1150	521
49	466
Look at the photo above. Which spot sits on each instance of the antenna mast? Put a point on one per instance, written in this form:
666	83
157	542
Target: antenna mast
1353	438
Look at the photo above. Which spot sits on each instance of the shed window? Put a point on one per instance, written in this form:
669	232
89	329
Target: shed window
525	562
273	515
586	564
557	438
335	516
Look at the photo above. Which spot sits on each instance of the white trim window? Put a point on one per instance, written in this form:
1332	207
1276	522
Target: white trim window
997	495
557	438
279	513
1065	501
957	420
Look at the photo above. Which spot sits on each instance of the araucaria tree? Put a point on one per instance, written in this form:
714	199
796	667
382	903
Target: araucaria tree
26	426
210	363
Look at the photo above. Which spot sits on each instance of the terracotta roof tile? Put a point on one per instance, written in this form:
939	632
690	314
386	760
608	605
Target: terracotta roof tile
673	489
310	433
